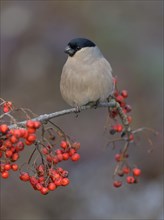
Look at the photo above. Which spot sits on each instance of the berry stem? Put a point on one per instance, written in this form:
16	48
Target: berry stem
123	118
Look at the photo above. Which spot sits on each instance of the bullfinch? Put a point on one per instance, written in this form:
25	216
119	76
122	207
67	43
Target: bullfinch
86	76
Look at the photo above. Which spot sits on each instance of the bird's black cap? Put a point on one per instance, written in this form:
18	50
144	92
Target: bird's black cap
76	44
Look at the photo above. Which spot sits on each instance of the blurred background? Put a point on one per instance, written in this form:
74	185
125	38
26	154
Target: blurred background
130	35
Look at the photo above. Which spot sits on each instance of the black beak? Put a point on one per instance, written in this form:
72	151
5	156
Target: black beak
69	51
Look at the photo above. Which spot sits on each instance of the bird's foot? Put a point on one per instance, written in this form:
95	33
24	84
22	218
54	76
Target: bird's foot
94	104
78	110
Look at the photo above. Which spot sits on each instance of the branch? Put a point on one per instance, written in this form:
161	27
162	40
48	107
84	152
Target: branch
46	117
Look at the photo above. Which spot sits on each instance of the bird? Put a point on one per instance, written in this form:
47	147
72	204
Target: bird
86	76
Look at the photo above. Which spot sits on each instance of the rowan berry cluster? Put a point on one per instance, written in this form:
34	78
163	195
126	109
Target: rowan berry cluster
54	178
131	174
130	179
12	142
47	176
42	172
121	126
66	152
114	113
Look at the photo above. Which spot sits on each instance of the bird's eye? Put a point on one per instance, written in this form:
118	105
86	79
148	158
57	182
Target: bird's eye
78	48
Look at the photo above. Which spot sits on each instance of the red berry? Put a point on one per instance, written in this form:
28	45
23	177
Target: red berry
8	104
45	150
120	173
6	109
39	186
31	130
7	166
119	128
60	157
124	93
13	139
24	133
14	167
60	170
44	190
124	110
65	173
58	151
33	180
129	118
126	170
118	157
65	181
5	174
136	172
75	157
17	133
64	144
15	157
55	159
65	156
49	158
41	179
37	124
28	142
55	176
116	93
120	98
128	108
8	153
131	137
76	145
4	128
117	184
31	138
13	149
8	143
71	151
40	170
130	179
51	186
24	177
3	148
113	113
58	181
19	146
30	124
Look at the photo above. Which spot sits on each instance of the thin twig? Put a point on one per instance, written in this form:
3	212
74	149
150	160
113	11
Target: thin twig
31	156
145	129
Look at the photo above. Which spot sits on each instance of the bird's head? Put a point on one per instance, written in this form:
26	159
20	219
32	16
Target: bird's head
77	44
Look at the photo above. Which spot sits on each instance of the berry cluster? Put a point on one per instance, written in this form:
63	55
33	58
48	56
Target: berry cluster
122	121
47	176
46	179
12	142
42	172
66	152
130	178
123	169
120	97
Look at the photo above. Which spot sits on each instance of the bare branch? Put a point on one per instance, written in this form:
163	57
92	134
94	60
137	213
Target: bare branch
46	117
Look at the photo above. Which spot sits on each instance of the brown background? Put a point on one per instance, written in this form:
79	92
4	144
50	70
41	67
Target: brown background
129	33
